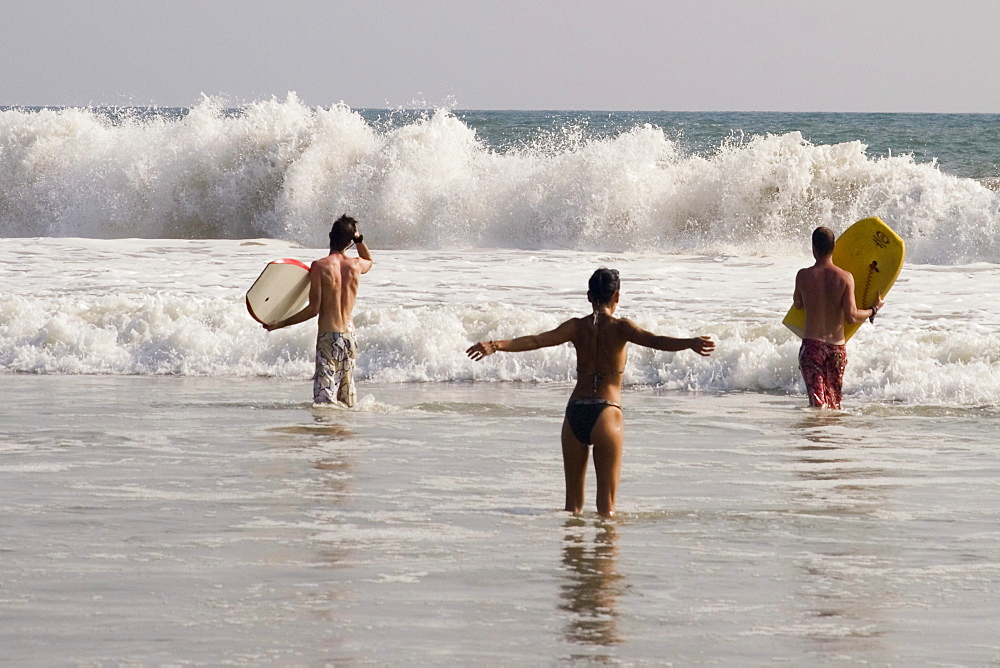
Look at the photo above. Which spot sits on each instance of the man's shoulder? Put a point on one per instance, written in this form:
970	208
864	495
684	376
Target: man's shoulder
823	272
335	260
834	276
843	273
329	265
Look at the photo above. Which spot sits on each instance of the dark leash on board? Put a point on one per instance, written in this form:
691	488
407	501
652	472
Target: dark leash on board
872	270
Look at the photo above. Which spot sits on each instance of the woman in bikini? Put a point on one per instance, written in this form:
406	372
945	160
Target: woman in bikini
594	413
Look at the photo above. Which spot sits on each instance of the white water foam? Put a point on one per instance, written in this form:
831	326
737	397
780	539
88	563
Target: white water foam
176	308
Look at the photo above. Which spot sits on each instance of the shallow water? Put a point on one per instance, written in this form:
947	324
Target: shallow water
210	520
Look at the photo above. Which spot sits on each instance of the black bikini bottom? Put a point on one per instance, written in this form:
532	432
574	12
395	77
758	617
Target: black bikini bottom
582	414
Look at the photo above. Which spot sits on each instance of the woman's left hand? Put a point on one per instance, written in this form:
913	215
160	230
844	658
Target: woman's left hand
703	345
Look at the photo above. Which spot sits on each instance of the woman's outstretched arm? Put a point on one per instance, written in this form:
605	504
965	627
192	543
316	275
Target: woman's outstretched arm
703	345
561	334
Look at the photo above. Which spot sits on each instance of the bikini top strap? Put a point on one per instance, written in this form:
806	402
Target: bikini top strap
597	336
595	374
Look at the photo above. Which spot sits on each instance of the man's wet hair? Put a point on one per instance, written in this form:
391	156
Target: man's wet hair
604	283
823	241
342	233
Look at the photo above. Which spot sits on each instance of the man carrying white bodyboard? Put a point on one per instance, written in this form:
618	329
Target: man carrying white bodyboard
333	289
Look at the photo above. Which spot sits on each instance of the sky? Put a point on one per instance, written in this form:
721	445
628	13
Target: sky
650	55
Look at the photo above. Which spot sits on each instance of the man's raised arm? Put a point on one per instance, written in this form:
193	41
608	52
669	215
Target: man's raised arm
363	253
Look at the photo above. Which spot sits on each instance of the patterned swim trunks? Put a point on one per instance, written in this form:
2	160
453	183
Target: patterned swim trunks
334	378
823	367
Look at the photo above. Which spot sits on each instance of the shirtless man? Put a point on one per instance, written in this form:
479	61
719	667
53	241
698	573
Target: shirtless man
333	289
826	292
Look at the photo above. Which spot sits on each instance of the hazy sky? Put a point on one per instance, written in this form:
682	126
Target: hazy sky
780	55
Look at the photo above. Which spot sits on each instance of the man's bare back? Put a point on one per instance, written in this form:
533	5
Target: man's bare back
333	290
334	286
826	292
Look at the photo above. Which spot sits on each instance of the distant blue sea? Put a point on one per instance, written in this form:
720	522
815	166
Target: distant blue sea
966	145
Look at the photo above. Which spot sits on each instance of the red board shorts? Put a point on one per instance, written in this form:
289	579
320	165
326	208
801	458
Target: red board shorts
823	367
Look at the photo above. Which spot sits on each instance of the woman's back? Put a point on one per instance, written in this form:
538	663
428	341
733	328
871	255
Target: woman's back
600	341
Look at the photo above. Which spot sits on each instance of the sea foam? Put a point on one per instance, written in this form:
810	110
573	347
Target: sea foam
135	307
282	170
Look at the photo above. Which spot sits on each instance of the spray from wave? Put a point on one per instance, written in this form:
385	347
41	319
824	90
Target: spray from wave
282	170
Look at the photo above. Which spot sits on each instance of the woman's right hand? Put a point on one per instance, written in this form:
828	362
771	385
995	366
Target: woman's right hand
481	350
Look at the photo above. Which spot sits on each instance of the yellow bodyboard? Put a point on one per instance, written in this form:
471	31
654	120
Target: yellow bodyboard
874	255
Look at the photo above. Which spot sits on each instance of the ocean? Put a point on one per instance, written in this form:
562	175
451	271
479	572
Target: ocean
171	496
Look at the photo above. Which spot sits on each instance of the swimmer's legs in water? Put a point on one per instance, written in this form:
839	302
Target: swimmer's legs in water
608	436
575	456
